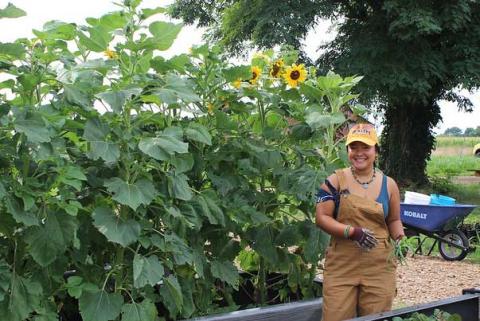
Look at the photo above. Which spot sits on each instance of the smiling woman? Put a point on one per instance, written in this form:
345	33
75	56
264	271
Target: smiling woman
360	208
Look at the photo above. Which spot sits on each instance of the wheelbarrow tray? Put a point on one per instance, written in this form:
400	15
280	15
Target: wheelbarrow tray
432	218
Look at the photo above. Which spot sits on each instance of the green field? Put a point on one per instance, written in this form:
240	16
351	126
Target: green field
452	165
453	156
448	141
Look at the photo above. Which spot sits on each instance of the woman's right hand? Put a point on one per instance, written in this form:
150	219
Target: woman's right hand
364	238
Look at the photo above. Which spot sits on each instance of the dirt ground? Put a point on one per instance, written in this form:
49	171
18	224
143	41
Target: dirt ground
426	278
466	179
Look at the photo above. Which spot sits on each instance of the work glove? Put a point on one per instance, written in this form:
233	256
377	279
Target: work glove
364	238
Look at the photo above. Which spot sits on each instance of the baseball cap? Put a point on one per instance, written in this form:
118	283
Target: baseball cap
364	133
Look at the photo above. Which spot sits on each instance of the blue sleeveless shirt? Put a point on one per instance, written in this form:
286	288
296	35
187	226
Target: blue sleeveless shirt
383	198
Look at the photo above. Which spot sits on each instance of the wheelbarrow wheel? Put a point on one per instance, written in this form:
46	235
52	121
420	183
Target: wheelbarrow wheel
452	253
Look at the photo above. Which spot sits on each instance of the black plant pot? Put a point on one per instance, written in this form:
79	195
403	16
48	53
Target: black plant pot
297	310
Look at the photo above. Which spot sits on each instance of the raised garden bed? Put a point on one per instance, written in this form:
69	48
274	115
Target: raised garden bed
466	305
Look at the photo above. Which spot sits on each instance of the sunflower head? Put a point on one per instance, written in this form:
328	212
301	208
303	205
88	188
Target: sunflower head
210	108
237	83
110	54
256	72
275	70
295	74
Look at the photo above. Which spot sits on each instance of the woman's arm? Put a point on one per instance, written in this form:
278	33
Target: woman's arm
324	213
394	223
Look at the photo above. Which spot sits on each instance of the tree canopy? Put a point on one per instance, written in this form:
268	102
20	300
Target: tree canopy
411	53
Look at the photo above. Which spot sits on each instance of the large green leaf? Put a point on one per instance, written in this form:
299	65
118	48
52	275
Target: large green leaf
3	192
315	243
15	50
146	270
199	133
180	188
188	286
144	311
112	20
182	253
237	73
306	183
77	96
191	216
162	146
148	12
182	162
73	176
141	192
98	40
209	208
317	120
116	99
116	229
100	305
5	279
48	241
95	130
171	293
164	33
177	88
264	243
24	298
225	271
11	11
312	92
96	133
108	151
34	128
56	30
18	214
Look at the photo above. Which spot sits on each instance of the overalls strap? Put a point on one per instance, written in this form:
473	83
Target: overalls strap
342	181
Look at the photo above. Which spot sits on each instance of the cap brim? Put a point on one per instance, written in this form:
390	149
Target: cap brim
365	140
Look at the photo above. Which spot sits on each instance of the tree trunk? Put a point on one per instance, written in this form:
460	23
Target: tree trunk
407	141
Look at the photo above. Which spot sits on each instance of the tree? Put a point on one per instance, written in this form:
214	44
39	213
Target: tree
411	53
470	132
453	131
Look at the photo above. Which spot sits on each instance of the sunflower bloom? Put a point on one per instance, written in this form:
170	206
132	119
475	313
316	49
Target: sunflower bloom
210	108
276	69
110	54
256	71
237	83
295	74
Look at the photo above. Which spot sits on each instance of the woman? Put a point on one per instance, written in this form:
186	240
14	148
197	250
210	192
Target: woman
359	207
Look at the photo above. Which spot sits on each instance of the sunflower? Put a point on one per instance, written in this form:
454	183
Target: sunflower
210	108
295	74
256	71
276	69
110	54
237	83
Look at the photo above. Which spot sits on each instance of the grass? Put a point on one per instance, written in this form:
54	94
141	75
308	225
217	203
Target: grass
448	141
452	165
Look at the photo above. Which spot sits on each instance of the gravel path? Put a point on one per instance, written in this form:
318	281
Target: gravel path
427	278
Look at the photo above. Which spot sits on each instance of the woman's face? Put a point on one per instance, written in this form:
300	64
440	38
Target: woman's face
361	155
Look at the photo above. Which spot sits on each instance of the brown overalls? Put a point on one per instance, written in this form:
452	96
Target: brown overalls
357	282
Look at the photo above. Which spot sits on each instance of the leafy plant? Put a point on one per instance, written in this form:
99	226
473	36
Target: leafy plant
135	186
438	315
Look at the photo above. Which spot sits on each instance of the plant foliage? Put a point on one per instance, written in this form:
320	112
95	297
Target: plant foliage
134	186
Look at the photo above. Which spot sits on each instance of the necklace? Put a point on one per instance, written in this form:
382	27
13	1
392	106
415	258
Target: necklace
363	184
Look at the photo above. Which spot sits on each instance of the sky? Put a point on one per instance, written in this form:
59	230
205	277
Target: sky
41	11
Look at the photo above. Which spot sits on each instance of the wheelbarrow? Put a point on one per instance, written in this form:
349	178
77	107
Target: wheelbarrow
440	222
